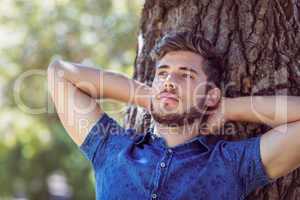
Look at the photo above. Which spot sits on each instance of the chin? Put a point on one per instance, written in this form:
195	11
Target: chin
172	117
165	107
167	113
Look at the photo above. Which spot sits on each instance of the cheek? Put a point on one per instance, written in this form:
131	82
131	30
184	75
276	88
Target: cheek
156	84
196	94
190	89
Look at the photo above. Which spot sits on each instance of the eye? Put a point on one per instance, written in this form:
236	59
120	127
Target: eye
187	75
162	73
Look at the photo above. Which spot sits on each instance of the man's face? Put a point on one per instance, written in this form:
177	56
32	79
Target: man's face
179	89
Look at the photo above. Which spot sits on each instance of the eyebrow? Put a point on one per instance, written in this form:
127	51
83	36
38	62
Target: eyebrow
180	68
188	69
163	67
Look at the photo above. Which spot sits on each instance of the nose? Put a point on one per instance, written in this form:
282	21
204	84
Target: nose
169	84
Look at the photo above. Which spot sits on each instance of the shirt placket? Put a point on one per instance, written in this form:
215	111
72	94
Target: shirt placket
161	172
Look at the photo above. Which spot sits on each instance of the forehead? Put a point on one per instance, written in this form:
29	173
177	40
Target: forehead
182	58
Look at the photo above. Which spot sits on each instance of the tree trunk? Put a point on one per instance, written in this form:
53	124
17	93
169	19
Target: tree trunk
260	42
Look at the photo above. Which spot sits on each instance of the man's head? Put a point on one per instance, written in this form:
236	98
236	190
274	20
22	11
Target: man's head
187	79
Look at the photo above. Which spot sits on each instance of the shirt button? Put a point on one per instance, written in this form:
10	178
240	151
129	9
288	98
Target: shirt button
170	151
154	196
162	164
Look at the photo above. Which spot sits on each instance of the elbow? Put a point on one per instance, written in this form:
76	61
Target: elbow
54	65
52	72
63	69
54	68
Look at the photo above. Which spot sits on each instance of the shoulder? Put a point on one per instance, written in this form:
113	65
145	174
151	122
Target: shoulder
243	158
233	150
106	134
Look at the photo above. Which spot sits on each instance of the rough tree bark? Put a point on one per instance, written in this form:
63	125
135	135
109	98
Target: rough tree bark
260	41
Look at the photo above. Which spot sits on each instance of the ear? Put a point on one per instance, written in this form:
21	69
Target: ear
213	97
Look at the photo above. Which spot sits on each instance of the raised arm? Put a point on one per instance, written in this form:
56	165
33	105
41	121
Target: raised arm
279	147
98	83
270	110
74	89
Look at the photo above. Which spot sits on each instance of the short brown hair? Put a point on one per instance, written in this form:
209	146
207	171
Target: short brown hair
188	41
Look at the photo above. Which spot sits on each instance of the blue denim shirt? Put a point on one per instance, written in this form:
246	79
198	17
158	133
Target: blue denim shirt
129	165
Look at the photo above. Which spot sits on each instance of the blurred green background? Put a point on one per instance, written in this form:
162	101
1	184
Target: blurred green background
38	160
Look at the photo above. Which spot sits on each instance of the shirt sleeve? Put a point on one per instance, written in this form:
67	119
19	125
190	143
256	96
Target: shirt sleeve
98	136
248	164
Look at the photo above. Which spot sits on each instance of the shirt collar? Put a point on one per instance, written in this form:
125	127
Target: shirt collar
202	139
146	137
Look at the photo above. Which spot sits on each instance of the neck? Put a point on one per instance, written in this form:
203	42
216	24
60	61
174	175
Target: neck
177	135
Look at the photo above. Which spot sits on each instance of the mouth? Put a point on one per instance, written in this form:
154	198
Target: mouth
168	97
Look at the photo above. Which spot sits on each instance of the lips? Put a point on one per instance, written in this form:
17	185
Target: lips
168	96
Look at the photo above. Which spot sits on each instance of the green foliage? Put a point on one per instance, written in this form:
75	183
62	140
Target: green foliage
33	144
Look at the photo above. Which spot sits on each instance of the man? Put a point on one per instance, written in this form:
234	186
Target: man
178	159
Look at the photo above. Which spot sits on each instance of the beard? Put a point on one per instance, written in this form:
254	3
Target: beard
185	118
